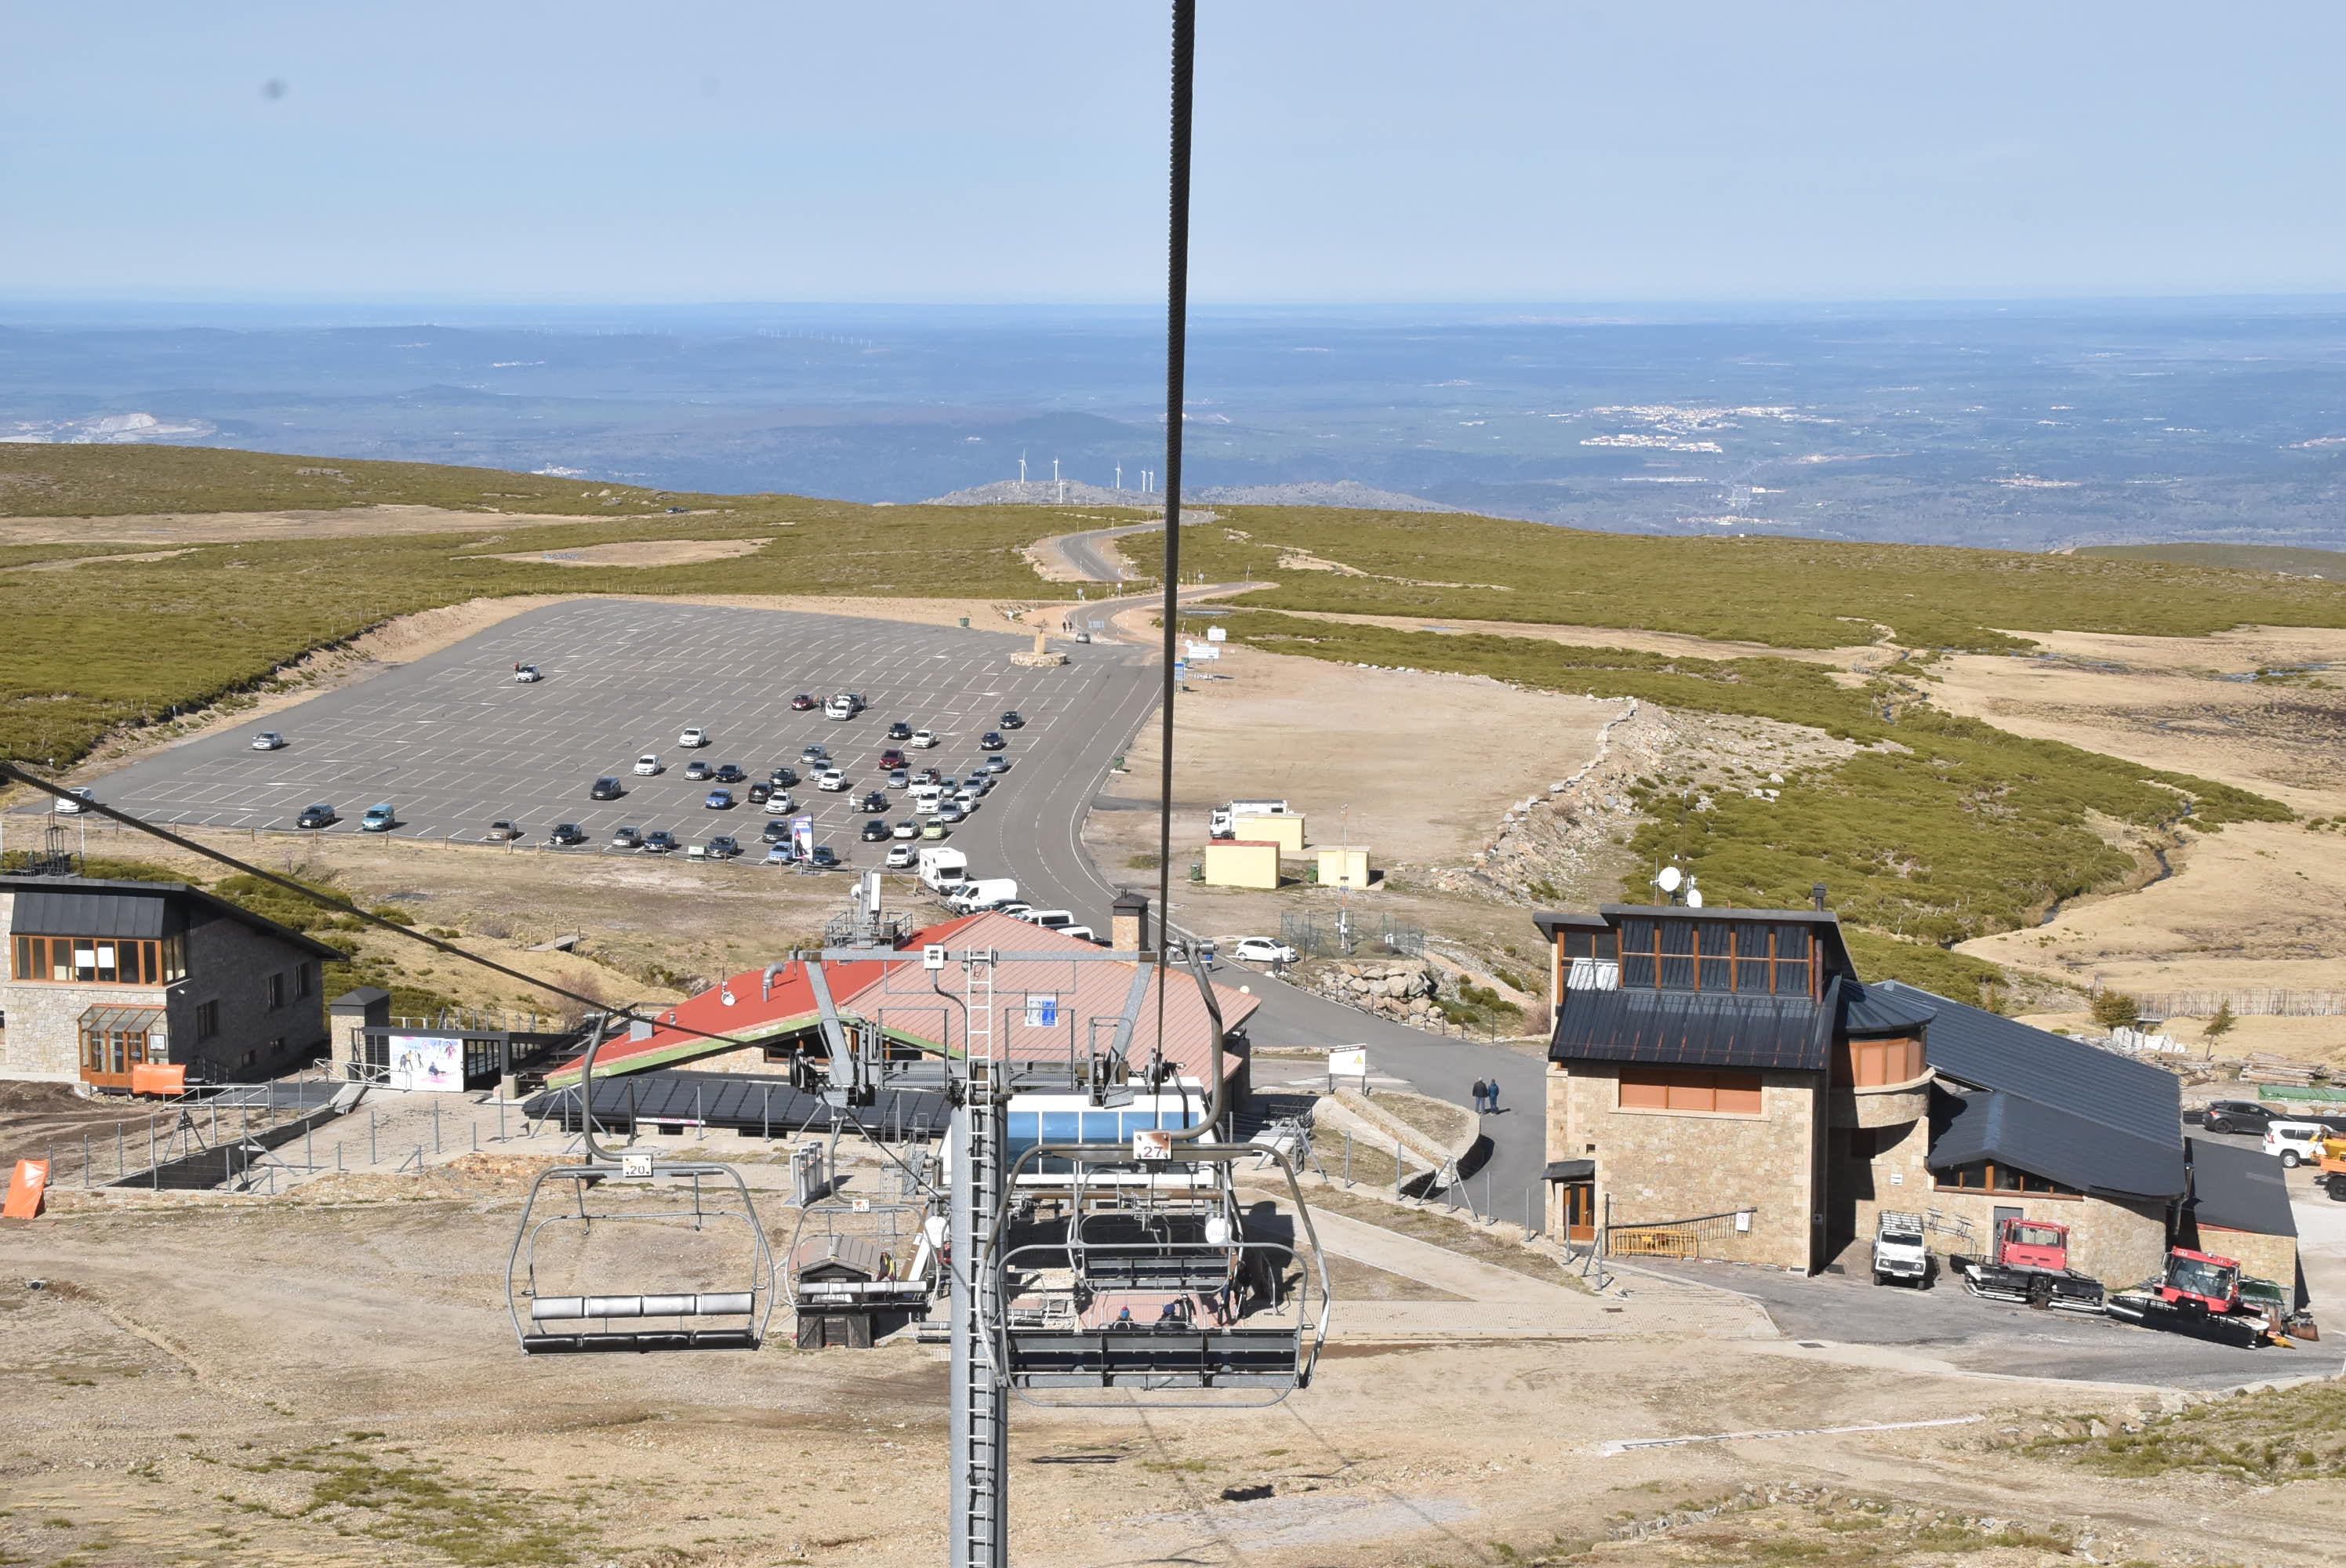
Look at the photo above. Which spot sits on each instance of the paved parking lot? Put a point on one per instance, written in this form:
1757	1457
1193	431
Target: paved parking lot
454	742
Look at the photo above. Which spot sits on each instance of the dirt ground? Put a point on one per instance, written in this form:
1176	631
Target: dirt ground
349	1394
1856	656
647	553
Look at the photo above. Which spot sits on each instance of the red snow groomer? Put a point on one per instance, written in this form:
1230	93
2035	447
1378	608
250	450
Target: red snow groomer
2030	1265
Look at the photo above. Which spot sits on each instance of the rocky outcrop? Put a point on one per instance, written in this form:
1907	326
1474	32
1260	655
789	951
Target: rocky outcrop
1399	988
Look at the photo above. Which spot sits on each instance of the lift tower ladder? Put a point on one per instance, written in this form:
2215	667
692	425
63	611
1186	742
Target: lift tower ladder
981	1400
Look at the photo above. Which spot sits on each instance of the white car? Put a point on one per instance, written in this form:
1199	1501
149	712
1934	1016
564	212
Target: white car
2295	1143
901	856
526	673
1261	949
922	738
831	778
780	804
268	740
650	764
693	738
73	804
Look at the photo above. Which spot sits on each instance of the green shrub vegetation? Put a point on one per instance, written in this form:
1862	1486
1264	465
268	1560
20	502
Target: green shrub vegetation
2294	559
2263	1437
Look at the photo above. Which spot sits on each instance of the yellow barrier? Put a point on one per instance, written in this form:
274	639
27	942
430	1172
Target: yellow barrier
1662	1243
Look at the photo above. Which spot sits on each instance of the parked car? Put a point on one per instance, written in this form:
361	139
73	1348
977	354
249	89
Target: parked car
698	772
815	751
1261	949
784	777
900	856
2235	1117
803	703
991	741
830	779
268	740
780	802
526	673
781	854
933	829
658	841
723	847
760	793
1016	908
821	858
380	818
71	803
907	828
875	831
978	783
877	800
965	798
997	763
607	787
922	738
730	773
321	815
775	831
898	778
504	831
626	838
845	704
2295	1143
717	800
650	764
900	730
1080	933
1014	719
890	759
693	738
950	813
565	835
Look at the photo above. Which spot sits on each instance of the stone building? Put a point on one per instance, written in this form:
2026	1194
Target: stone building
99	978
1723	1084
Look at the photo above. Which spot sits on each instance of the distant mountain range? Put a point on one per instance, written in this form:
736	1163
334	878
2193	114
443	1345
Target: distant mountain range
1342	492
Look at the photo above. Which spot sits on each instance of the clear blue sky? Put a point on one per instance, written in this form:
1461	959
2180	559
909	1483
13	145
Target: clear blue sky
1349	150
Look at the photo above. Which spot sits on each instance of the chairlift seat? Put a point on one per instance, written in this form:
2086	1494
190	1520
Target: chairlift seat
692	1304
641	1341
1147	1355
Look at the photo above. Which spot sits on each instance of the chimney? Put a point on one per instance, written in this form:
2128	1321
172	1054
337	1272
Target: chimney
1128	924
1816	896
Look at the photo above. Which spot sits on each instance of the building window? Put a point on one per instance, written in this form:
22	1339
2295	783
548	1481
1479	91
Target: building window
98	961
207	1019
302	980
112	1053
1758	956
276	992
1870	1063
1603	946
1994	1176
1727	1094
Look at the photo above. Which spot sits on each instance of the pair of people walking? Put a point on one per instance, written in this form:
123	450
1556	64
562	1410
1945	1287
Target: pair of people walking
1487	1097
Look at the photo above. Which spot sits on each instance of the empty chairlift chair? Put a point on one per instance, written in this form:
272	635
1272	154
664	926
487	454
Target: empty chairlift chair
702	1206
1161	1285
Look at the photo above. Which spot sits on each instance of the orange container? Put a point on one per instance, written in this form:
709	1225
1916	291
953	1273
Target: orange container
26	1190
152	1078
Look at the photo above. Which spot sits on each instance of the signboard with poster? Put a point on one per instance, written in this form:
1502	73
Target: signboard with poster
1042	1012
803	836
1352	1062
427	1062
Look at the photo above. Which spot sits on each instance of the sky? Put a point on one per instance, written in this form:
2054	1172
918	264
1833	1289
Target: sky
1349	151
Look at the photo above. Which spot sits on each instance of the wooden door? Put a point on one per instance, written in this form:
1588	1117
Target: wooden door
1579	1201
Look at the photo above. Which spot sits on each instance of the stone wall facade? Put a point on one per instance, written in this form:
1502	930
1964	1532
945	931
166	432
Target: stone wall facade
2260	1257
230	963
1399	987
1656	1165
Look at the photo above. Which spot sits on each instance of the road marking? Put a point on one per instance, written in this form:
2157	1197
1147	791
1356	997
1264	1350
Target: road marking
1633	1445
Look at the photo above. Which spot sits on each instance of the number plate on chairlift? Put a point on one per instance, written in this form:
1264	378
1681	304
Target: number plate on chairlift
635	1168
1152	1144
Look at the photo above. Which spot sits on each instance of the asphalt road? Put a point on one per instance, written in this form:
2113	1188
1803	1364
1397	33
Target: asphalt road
1084	553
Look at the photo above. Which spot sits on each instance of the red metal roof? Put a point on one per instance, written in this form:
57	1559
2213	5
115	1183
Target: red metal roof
1082	1003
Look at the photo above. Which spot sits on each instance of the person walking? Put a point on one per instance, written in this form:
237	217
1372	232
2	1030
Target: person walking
1482	1091
1491	1097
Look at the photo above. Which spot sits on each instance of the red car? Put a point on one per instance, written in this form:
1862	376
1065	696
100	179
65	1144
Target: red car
891	759
802	703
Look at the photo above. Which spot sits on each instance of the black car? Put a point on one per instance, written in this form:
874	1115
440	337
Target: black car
784	777
777	830
1014	719
2237	1116
822	858
565	834
760	793
321	815
723	847
991	741
900	730
627	838
607	787
698	770
730	773
875	831
876	801
658	841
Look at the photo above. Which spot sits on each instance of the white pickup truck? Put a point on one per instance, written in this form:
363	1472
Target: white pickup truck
1901	1254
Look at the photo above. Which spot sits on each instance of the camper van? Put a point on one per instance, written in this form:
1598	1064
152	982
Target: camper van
1222	822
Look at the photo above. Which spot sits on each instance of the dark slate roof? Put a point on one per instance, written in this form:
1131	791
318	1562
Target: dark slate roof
1873	1010
1571	1170
2082	1115
1549	923
129	911
1692	1029
2238	1190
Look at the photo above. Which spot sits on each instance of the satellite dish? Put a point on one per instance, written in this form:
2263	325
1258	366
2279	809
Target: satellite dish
1694	899
1669	879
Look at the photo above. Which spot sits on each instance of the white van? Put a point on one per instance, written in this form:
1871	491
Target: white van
2296	1143
1049	919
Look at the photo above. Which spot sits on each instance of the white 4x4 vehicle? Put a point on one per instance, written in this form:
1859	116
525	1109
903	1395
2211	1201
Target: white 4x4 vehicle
902	855
1261	949
922	738
647	764
2297	1142
692	737
831	778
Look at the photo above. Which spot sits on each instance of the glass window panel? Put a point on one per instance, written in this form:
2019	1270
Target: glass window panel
1025	1124
1692	1092
1643	1091
1637	935
1677	973
1607	947
1101	1127
1791	980
1677	936
1717	938
1638	971
1751	974
1738	1093
1717	974
1751	938
1062	1127
1792	941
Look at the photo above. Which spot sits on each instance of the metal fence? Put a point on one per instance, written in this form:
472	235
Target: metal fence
1318	935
